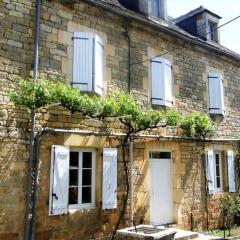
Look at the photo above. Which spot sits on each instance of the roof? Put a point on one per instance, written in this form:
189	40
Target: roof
165	26
195	12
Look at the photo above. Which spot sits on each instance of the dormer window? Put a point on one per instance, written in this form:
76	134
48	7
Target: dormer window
201	23
211	31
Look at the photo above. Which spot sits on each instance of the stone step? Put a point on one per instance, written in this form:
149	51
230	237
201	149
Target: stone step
185	235
208	237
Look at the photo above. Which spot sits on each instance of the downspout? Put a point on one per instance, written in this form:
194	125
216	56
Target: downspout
131	182
126	34
27	225
36	182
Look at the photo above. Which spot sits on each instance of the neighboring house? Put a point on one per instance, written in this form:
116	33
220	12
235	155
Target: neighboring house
85	42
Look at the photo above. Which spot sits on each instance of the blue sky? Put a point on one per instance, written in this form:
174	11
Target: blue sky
227	9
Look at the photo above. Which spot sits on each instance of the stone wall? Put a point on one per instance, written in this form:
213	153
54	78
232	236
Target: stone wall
190	67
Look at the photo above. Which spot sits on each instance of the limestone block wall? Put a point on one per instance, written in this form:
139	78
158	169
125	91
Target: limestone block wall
58	22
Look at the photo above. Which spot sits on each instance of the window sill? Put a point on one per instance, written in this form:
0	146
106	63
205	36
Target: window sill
218	191
74	209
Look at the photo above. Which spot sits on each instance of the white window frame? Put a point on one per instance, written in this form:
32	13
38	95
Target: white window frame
91	205
218	189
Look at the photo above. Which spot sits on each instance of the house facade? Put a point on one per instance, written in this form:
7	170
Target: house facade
94	45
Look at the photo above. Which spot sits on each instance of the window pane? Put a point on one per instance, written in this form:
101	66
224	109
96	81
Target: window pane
86	195
86	177
217	171
218	182
73	159
87	160
217	159
73	195
73	177
160	155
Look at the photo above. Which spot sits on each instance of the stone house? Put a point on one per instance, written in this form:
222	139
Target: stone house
82	183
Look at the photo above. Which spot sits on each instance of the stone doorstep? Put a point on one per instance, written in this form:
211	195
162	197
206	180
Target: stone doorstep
187	235
234	238
207	237
184	235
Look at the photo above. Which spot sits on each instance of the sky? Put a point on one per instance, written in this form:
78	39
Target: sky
227	9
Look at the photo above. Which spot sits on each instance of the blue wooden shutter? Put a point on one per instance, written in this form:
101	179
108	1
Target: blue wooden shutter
158	85
109	188
83	60
59	180
231	172
162	82
210	171
99	65
216	93
168	83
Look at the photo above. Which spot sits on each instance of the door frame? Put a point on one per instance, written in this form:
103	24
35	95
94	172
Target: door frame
171	177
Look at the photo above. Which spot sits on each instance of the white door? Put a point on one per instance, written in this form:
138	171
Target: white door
161	204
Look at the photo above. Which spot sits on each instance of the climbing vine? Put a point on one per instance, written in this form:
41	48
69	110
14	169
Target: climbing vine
122	106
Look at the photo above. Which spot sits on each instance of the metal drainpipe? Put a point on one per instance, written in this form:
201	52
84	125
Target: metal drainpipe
27	226
36	183
126	34
131	182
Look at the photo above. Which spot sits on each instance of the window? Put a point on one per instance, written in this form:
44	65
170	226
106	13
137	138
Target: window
88	62
211	31
162	82
160	155
218	172
216	93
214	171
72	180
81	179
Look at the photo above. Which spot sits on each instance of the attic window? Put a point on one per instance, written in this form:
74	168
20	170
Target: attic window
211	31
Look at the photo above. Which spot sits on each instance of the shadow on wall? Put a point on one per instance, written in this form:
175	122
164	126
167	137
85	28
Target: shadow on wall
13	172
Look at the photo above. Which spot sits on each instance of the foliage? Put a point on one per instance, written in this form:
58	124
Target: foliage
229	205
197	125
120	105
32	95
